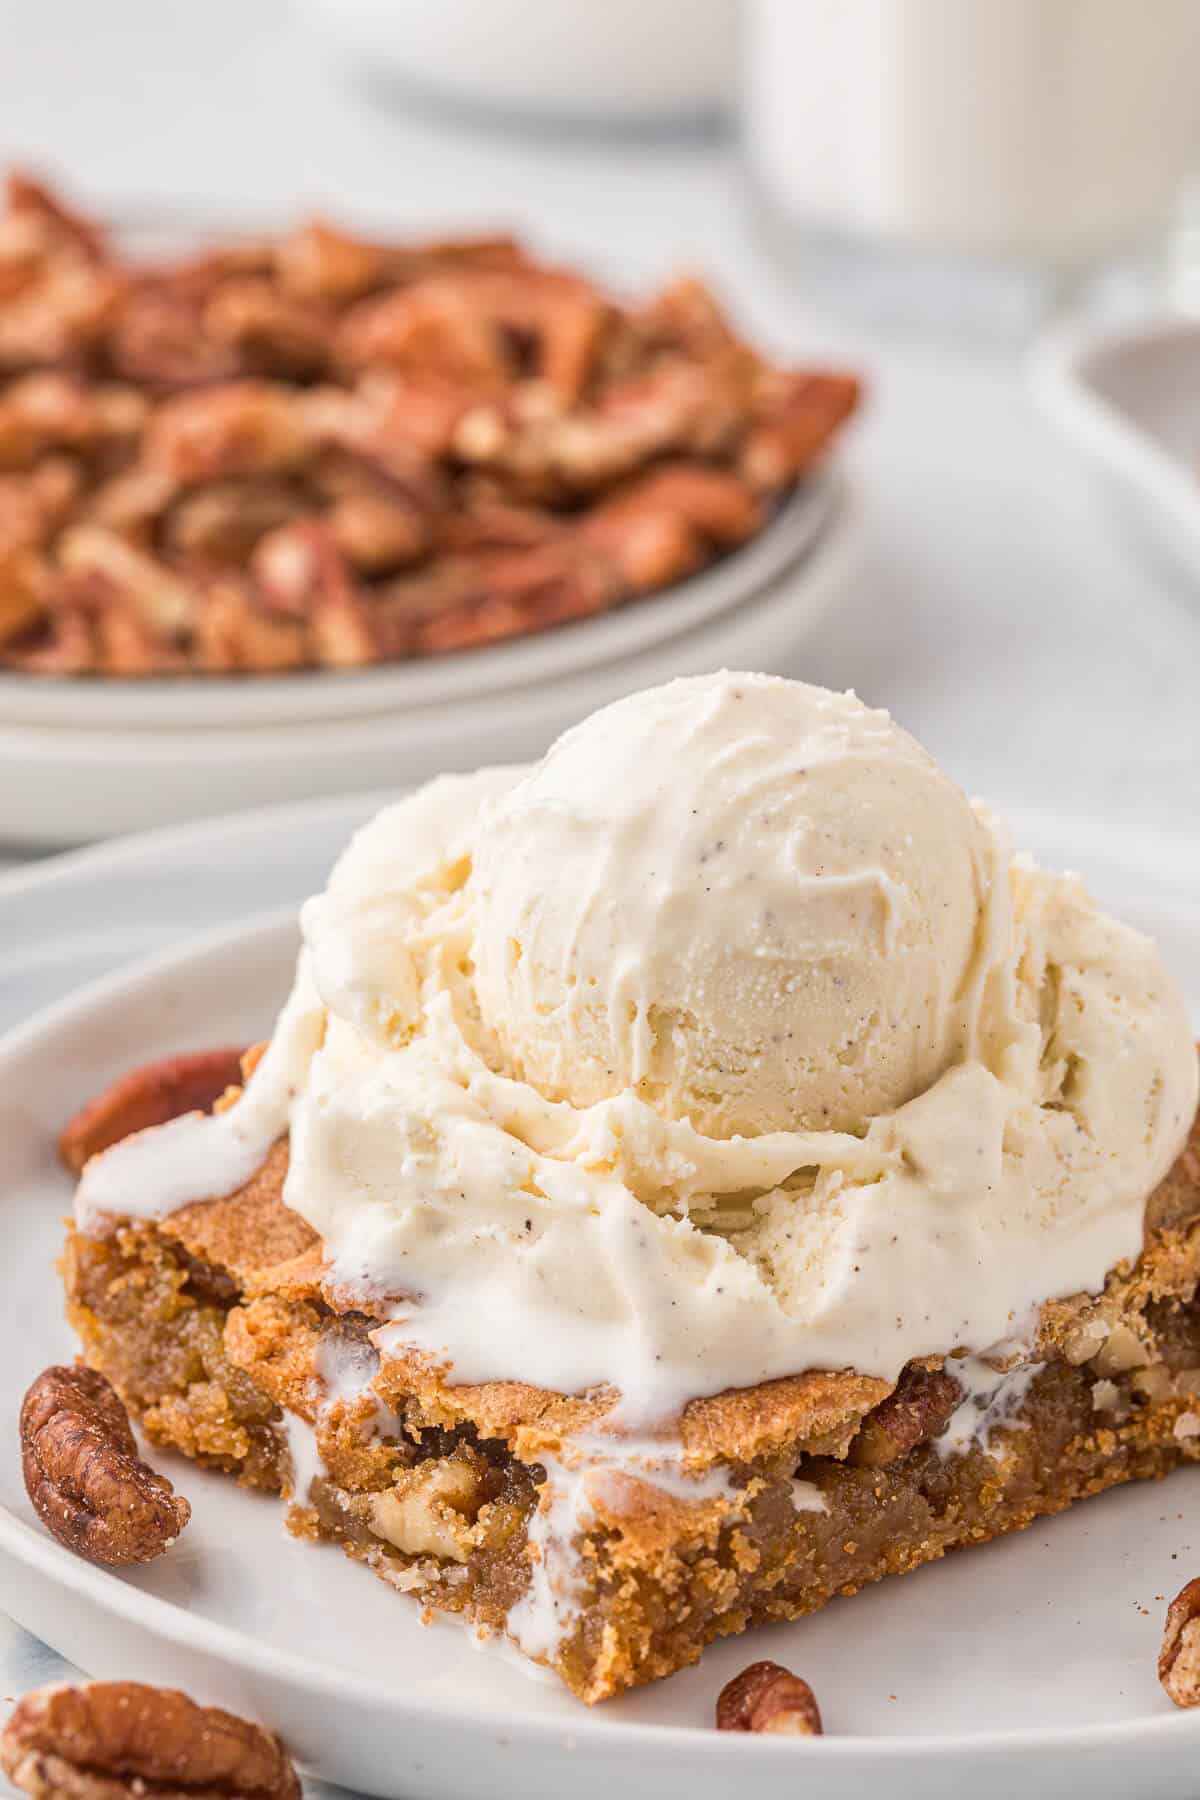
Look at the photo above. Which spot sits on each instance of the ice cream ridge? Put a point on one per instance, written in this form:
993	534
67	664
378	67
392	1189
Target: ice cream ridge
727	1042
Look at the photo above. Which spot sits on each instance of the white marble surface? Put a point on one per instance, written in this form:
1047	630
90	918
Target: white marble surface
1001	612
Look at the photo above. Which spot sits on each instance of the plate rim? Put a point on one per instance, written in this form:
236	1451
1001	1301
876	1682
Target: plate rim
169	1622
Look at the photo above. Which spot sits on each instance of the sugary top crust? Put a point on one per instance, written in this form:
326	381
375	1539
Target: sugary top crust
267	1249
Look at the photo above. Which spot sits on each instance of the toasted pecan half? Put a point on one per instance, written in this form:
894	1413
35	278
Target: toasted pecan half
105	1740
88	1485
149	1095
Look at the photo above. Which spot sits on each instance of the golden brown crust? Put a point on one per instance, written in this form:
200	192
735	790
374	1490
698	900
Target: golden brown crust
269	1249
252	1234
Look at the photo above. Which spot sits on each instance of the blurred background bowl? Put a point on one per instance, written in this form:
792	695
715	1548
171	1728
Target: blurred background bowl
616	63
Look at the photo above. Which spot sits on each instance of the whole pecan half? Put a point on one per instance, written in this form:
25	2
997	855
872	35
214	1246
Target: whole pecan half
1179	1658
88	1485
148	1096
108	1739
766	1697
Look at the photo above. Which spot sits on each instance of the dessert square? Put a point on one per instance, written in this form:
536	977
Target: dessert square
693	1177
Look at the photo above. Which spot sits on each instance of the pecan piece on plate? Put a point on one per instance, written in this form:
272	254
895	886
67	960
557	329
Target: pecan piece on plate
269	332
49	410
104	1740
84	1476
235	631
802	412
477	325
60	317
63	644
130	504
302	572
224	520
163	601
686	314
767	1697
433	326
35	505
240	428
319	262
157	341
655	525
27	197
22	594
150	1095
1179	1658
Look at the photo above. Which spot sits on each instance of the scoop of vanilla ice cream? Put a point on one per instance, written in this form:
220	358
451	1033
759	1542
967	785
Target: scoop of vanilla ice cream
757	904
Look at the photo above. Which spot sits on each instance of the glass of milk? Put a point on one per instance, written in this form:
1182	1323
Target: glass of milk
944	157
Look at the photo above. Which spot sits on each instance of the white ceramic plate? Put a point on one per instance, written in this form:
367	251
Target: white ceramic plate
205	704
1028	1664
1128	397
61	786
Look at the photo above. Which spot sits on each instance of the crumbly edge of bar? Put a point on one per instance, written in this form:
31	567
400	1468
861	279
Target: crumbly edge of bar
208	1365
